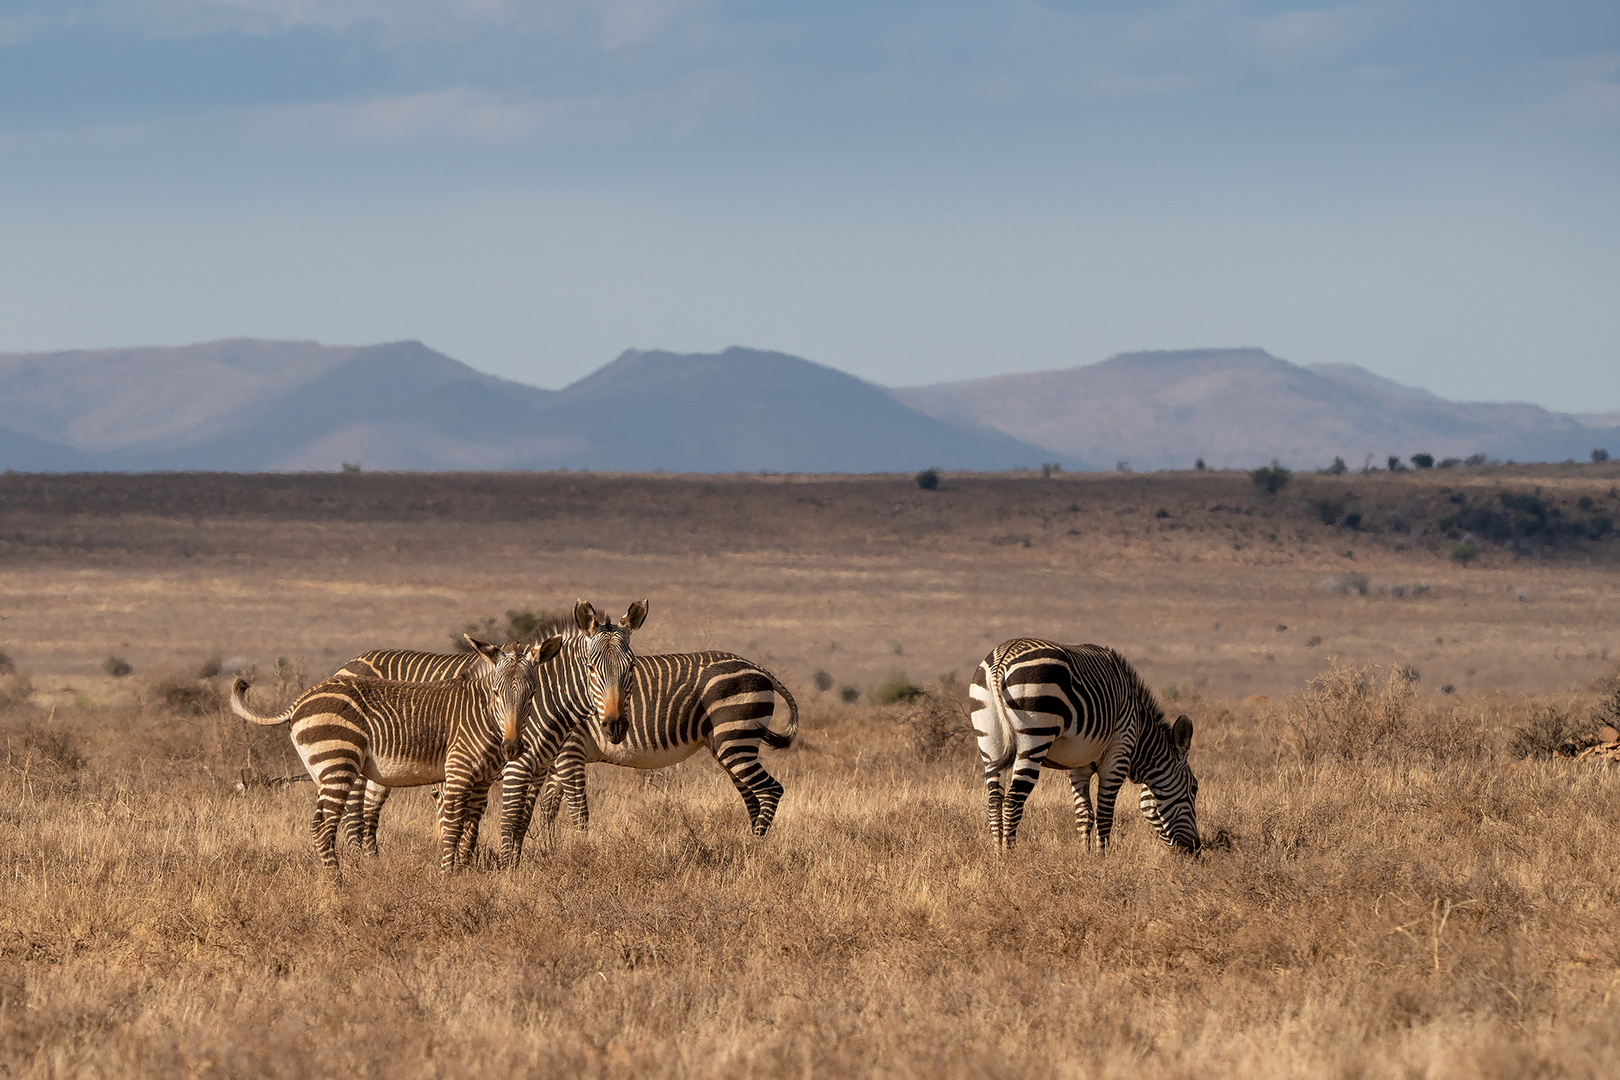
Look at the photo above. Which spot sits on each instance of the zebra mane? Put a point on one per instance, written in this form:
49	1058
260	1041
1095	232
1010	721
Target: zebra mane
1148	707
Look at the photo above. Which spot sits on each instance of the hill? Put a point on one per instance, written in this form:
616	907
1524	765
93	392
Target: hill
1241	407
255	405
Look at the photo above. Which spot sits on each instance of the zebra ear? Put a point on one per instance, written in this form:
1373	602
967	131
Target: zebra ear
545	650
584	616
635	616
1182	733
492	653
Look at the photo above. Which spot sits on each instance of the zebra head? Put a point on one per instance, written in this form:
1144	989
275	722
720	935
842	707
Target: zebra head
605	650
510	680
1169	789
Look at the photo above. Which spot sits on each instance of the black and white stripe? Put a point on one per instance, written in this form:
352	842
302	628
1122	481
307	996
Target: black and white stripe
586	687
459	731
680	703
1085	709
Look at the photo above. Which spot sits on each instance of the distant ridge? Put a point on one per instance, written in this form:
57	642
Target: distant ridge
1241	407
245	405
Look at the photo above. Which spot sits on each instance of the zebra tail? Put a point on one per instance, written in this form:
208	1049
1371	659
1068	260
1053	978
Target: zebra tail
998	706
785	739
240	707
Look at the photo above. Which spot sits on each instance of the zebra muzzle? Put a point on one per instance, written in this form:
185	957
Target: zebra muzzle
613	720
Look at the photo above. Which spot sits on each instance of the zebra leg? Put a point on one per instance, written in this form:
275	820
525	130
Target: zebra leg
452	811
550	796
1026	772
760	790
1111	774
992	736
337	779
375	796
468	849
1080	784
354	815
517	803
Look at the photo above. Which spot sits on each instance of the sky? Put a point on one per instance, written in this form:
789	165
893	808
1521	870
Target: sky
911	192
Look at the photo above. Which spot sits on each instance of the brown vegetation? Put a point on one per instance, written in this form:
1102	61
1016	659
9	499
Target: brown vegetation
1389	886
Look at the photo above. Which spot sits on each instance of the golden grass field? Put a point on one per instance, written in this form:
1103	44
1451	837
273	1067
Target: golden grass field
1387	888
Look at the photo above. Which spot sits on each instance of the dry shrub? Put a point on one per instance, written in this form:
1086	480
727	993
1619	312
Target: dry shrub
1543	735
185	695
938	723
1346	713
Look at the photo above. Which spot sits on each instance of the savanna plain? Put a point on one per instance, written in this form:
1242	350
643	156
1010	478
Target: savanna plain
1401	876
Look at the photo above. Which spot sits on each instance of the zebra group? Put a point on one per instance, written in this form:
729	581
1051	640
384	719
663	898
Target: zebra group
535	715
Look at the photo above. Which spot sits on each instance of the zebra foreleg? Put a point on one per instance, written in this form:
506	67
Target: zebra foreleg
1111	774
1080	785
517	804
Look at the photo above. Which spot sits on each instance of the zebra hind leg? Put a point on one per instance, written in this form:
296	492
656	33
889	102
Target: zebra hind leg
335	785
760	791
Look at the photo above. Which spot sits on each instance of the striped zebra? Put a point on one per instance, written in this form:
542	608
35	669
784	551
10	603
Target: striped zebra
458	731
678	704
1085	709
366	799
587	686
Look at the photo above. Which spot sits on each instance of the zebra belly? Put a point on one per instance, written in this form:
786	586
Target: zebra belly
1071	752
392	770
635	756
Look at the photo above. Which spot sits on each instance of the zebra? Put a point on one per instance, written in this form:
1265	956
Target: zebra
679	703
457	730
366	799
587	686
1085	709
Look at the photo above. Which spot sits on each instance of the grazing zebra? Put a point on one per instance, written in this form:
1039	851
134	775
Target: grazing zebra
586	686
677	704
458	731
1085	709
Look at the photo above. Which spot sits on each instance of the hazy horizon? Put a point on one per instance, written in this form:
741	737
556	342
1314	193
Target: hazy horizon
912	194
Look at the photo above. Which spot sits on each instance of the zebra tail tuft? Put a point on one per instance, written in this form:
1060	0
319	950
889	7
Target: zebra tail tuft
239	706
785	739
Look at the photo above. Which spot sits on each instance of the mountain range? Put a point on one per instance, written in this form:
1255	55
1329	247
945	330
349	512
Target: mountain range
249	405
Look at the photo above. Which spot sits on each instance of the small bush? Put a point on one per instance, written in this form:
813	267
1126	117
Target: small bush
897	689
928	479
939	723
1584	502
1050	467
1395	464
823	681
1338	468
1475	459
1542	734
1270	478
1315	640
1352	521
6	664
1344	713
1199	465
189	697
351	466
116	666
211	667
1599	456
1161	513
849	695
1449	463
1423	461
1464	552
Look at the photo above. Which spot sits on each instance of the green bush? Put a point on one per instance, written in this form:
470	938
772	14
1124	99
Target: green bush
823	681
1423	461
1464	552
849	695
1599	456
897	689
928	479
116	666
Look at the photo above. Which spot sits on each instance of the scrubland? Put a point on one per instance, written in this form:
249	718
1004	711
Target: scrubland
1389	886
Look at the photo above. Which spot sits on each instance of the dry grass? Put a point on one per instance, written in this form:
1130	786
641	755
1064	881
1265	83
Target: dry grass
1386	890
1415	911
